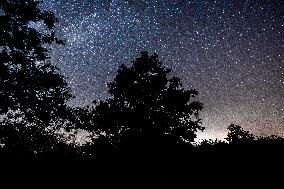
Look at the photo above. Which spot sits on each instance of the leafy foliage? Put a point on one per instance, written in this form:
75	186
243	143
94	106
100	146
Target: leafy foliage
148	109
32	91
237	134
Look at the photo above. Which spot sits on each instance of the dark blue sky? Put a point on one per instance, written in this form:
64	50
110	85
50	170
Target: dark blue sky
231	51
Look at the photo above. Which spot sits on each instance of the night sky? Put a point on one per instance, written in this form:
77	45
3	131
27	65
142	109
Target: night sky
231	51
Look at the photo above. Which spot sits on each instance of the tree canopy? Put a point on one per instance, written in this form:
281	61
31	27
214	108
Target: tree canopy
32	90
237	134
148	105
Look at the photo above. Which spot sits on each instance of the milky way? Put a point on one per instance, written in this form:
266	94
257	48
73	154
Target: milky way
230	51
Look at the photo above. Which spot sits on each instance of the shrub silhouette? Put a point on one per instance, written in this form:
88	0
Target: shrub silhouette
244	146
237	135
32	91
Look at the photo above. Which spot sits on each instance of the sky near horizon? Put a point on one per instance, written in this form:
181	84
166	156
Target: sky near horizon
230	51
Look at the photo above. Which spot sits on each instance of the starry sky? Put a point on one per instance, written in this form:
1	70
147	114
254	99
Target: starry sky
231	51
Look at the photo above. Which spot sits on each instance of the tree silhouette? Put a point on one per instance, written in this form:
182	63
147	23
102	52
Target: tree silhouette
237	135
32	91
148	108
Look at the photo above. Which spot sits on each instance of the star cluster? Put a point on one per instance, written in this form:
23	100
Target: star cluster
230	51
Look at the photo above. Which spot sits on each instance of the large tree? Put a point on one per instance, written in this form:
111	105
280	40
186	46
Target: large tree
149	105
32	91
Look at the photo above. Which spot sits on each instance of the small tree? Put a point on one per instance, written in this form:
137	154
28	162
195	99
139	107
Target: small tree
237	135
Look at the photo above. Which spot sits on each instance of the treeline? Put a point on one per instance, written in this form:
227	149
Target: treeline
240	141
149	116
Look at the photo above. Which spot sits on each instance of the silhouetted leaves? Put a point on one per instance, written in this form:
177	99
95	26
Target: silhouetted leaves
149	111
237	134
242	143
32	91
